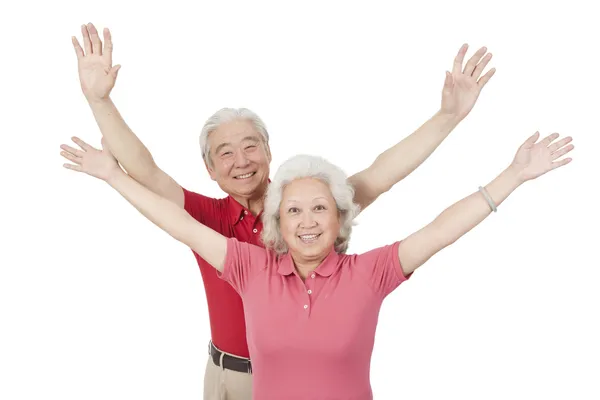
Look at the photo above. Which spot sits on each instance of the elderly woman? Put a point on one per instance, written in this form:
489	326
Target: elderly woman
311	310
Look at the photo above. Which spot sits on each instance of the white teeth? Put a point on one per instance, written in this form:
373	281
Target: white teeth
248	175
308	237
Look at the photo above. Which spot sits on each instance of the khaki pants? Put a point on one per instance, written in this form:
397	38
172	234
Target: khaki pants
225	384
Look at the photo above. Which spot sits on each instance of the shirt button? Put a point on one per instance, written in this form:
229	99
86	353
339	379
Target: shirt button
245	212
309	291
312	276
305	306
254	230
241	218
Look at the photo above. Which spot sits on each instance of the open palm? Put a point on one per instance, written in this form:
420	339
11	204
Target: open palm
463	85
96	72
100	164
535	159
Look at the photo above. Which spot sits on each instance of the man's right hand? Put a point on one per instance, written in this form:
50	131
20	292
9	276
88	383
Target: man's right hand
96	73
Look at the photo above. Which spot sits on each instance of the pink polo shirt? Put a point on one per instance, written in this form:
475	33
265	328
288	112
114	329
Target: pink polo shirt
311	339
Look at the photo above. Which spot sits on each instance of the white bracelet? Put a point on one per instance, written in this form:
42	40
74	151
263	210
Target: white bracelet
488	198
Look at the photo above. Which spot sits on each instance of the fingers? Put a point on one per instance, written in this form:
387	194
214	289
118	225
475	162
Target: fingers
71	157
561	152
560	163
472	63
481	66
73	151
82	144
108	45
73	167
458	60
87	44
77	46
96	42
555	146
485	79
549	139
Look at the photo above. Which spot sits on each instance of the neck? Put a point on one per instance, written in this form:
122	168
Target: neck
255	202
305	267
254	205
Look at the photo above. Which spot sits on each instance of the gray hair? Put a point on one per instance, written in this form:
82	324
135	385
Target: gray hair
225	115
305	166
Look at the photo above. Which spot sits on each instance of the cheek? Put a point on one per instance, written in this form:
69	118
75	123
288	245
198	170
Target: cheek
259	156
286	227
333	224
222	167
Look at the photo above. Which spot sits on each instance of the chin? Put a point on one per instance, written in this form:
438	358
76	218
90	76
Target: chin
246	190
311	253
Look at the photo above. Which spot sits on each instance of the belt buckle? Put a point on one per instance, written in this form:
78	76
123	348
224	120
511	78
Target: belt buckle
249	367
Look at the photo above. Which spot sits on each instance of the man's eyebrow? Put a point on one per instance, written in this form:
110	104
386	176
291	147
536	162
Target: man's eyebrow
219	147
250	138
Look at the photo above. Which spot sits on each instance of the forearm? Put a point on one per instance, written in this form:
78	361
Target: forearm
461	217
399	161
124	144
171	218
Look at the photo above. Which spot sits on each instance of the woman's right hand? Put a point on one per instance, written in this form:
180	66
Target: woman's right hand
100	164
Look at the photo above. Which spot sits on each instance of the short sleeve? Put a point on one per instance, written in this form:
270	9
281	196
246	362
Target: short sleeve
381	267
204	209
243	262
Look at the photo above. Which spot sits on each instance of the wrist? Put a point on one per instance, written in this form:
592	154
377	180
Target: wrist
447	120
115	176
513	176
97	101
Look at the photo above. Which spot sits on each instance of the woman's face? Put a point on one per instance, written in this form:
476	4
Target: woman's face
309	219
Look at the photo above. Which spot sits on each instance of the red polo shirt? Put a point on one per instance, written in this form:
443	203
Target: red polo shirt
312	339
225	307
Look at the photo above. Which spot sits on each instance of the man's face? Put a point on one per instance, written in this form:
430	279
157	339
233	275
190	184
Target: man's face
240	159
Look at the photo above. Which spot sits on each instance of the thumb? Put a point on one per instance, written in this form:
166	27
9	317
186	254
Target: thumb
114	71
532	139
448	82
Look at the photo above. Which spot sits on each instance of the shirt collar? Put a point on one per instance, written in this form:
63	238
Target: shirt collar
236	210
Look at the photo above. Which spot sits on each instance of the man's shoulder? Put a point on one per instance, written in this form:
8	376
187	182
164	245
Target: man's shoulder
204	208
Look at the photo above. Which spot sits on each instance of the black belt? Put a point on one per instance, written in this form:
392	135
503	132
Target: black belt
229	362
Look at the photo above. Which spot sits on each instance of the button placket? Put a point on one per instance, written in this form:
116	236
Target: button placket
308	286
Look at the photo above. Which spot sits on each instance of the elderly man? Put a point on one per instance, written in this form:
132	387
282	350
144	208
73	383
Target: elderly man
236	152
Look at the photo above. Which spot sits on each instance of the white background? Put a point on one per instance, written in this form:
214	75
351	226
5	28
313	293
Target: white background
98	303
